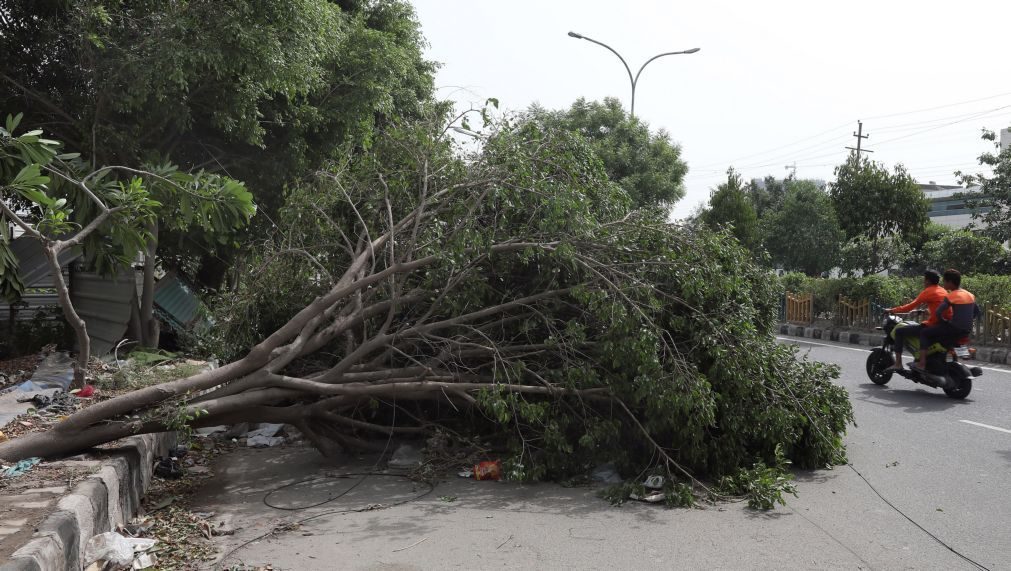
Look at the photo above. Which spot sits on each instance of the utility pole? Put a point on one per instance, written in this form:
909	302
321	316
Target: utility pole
859	134
793	169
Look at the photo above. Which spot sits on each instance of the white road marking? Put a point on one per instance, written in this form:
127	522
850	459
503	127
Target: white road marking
998	429
806	342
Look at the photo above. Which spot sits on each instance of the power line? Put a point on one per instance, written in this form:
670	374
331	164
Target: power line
900	126
941	106
976	116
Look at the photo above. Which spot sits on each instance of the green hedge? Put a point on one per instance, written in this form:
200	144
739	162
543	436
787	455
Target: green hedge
890	291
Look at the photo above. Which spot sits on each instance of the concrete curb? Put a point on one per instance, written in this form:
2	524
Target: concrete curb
995	355
96	505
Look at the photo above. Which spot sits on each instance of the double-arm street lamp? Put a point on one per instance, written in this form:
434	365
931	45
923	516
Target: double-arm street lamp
634	80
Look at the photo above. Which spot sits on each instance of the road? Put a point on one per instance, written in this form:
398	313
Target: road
953	475
944	464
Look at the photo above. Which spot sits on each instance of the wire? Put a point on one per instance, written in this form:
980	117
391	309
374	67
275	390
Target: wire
979	566
939	107
284	527
875	490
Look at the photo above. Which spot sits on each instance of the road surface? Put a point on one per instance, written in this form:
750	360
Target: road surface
944	464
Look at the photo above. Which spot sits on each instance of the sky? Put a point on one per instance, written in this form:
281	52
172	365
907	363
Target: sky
776	83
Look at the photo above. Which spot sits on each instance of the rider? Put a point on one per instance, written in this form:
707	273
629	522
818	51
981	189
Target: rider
932	295
963	312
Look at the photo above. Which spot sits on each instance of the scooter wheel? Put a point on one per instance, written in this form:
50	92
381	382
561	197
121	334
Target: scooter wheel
961	390
877	364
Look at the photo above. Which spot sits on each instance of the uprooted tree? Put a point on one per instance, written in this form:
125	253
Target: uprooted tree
511	293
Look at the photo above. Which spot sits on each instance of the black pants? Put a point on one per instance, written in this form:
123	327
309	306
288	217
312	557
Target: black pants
943	333
905	332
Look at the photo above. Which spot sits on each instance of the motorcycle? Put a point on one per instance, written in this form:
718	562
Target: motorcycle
944	367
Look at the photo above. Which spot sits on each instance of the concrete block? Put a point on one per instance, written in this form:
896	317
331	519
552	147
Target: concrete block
983	354
96	505
798	331
833	335
998	356
784	329
817	333
80	508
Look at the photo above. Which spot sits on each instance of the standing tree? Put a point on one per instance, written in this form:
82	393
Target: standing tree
803	233
61	201
992	204
969	252
264	92
647	165
730	208
766	196
873	204
863	256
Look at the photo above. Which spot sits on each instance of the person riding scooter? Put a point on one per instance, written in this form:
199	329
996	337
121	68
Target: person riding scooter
931	296
964	312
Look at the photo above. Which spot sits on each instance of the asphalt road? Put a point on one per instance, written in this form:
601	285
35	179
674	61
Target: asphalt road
915	446
945	463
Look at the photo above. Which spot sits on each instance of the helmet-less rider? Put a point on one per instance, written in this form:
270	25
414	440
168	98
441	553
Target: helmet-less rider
932	296
963	312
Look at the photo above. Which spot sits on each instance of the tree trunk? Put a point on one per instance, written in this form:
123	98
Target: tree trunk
150	330
73	319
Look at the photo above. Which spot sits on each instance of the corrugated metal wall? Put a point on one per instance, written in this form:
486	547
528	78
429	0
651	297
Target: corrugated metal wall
32	263
104	304
40	294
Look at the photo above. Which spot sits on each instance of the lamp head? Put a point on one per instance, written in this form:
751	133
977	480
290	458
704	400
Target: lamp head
575	35
693	50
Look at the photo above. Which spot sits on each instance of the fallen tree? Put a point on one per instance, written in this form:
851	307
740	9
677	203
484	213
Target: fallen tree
513	295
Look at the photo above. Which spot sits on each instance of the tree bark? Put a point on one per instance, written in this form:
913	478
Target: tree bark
73	319
150	330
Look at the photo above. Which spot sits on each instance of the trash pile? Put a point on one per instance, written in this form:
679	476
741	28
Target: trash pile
112	551
46	410
183	536
15	371
18	469
56	371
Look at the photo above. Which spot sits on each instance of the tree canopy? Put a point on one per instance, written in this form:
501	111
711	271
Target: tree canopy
729	208
802	233
264	92
872	202
646	164
872	205
992	204
967	251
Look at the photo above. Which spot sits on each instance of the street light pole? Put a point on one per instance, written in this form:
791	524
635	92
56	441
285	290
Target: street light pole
634	80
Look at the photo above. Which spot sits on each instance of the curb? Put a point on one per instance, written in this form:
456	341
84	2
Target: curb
98	504
996	355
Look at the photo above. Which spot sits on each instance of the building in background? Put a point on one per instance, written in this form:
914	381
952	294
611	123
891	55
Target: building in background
947	207
1005	138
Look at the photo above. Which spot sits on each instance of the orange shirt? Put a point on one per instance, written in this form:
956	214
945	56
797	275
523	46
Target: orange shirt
932	296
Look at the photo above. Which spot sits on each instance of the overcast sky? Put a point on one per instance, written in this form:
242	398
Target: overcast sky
775	82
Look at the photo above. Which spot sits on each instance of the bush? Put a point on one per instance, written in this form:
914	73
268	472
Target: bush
889	291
